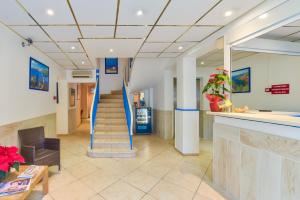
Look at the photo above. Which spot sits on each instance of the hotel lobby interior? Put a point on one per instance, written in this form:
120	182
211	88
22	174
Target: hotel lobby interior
150	100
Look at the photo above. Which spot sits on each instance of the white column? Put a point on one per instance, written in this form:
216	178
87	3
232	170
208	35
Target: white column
186	114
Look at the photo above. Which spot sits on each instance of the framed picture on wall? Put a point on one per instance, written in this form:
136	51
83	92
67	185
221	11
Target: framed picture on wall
241	80
111	65
38	75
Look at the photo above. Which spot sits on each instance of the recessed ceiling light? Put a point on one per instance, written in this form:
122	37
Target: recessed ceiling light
264	16
50	12
228	13
139	13
202	63
180	47
82	62
72	47
111	50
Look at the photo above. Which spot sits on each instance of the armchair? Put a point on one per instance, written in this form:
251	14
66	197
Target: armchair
38	150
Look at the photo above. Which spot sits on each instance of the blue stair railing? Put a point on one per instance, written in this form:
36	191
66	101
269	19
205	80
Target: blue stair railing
94	107
128	112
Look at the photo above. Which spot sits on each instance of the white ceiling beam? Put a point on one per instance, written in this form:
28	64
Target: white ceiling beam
269	46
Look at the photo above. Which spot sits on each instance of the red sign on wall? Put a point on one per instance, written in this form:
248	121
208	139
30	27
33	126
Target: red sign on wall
279	89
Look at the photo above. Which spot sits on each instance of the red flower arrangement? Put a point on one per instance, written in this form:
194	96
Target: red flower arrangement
215	88
9	158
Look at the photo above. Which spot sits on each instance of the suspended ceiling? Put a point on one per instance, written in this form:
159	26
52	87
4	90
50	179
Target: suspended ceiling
79	31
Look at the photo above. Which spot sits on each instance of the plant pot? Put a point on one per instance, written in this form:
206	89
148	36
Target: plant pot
214	106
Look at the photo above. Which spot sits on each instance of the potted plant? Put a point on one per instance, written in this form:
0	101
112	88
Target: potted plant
9	159
215	90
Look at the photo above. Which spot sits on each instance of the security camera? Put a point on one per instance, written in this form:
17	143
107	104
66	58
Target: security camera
27	42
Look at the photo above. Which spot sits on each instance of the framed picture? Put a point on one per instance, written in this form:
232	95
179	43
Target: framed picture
38	75
241	80
111	65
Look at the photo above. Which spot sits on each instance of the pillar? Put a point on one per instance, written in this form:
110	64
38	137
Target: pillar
186	113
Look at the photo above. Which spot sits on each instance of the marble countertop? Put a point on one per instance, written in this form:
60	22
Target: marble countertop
280	118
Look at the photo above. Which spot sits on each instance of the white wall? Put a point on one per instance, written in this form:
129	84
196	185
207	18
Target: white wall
266	70
109	82
17	101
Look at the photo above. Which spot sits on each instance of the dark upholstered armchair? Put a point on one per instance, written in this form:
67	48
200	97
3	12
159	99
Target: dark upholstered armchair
38	150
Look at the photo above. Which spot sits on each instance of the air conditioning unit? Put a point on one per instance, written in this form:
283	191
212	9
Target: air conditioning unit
82	74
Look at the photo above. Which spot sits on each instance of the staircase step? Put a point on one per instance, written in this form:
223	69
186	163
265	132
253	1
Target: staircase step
111	134
111	142
111	127
119	92
110	110
110	115
111	100
111	105
111	96
111	121
112	152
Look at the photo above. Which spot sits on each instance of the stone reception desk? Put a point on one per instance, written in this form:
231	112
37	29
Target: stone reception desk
256	156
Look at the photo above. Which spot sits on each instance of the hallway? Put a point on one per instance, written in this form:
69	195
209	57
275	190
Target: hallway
158	172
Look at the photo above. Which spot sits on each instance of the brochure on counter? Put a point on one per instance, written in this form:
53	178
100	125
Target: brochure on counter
30	172
14	187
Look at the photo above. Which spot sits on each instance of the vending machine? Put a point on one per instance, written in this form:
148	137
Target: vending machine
143	119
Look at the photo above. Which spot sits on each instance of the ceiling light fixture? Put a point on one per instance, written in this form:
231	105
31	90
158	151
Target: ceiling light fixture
111	50
264	16
50	12
82	62
180	47
228	13
139	13
202	63
72	47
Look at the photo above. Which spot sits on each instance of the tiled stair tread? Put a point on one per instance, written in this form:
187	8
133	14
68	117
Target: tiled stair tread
111	115
111	100
112	140
111	120
117	92
111	96
110	105
125	133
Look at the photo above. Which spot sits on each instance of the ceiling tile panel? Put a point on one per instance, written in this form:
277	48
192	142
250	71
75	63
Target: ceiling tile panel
238	8
33	32
77	56
47	47
57	56
294	37
166	33
296	23
180	46
12	14
185	12
280	32
93	12
83	64
122	48
38	9
147	55
151	10
65	63
154	47
169	55
132	31
70	46
63	33
198	33
97	31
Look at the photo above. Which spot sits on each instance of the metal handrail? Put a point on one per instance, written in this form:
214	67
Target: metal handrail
128	112
94	107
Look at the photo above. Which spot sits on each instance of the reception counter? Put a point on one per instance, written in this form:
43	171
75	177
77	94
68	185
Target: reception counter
257	155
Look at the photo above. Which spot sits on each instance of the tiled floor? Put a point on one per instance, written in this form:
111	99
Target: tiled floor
158	172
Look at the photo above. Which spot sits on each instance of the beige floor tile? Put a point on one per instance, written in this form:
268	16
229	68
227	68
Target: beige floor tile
207	191
122	191
141	180
74	191
99	180
155	169
184	178
148	197
38	195
83	169
97	197
168	191
60	179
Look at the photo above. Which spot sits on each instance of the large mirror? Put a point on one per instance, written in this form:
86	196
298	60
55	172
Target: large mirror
266	71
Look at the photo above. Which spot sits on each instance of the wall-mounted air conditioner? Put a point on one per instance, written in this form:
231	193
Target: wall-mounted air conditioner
82	74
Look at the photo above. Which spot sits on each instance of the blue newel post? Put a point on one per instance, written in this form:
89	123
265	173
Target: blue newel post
98	81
